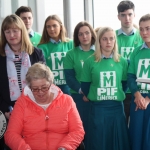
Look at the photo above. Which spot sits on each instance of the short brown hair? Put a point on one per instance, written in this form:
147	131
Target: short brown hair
23	9
76	32
125	5
144	18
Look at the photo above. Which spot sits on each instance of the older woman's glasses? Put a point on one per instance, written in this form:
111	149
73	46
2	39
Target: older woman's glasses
43	89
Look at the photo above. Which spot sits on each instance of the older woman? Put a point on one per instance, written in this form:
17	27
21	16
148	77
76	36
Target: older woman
16	55
103	79
45	118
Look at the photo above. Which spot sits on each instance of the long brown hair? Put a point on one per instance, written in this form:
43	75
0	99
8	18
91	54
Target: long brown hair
45	37
76	32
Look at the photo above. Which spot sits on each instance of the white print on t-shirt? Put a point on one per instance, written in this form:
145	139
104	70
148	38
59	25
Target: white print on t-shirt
126	52
108	86
143	71
57	67
82	62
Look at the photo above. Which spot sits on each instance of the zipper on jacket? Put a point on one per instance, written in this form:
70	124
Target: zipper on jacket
46	117
46	129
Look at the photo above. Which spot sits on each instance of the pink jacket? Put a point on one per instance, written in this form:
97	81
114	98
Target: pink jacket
32	128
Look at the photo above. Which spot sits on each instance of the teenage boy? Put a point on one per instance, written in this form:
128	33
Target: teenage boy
128	38
25	13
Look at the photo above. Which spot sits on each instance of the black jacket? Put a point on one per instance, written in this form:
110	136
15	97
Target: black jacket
5	101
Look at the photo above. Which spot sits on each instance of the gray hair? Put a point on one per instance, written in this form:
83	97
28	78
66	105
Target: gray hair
39	71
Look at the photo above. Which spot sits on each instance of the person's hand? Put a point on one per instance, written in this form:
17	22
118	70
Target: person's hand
7	115
140	101
85	99
147	101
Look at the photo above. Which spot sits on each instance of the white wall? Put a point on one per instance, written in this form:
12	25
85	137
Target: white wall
5	8
54	7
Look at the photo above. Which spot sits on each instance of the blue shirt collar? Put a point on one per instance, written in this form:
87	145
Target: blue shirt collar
54	42
104	57
120	31
31	34
144	46
91	48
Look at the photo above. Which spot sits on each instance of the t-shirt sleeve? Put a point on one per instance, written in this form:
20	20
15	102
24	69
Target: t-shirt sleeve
39	46
125	70
70	44
131	68
68	60
43	49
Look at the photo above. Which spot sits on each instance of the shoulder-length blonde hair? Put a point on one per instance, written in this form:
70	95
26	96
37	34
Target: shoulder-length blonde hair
13	21
45	36
98	49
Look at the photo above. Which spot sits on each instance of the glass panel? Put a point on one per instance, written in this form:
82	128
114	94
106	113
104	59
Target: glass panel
105	12
77	13
54	7
5	8
141	8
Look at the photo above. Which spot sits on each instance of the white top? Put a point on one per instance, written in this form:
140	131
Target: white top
27	91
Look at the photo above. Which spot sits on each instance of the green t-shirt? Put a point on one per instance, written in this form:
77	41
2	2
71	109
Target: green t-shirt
140	66
54	56
35	39
106	78
126	44
75	59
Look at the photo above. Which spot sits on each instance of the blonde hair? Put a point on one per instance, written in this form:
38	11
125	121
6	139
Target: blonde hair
98	50
135	26
12	21
97	29
39	71
45	36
